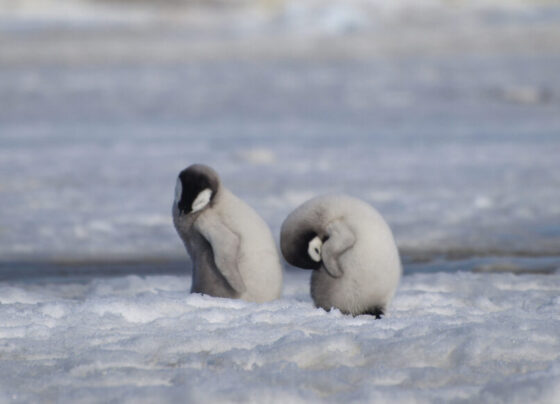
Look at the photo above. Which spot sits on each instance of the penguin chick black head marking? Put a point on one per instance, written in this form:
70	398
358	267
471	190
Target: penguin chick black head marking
305	250
196	187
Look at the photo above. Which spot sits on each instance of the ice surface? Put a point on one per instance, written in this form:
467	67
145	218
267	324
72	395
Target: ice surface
458	337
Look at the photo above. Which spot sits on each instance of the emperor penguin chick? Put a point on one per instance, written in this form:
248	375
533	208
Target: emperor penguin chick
231	247
351	250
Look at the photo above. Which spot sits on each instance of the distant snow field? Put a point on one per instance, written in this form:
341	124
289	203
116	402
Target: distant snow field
459	337
456	146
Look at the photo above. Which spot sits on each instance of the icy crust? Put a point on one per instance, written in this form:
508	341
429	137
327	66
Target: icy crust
453	337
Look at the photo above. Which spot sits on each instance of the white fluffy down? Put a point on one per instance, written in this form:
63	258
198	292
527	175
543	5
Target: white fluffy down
360	265
242	246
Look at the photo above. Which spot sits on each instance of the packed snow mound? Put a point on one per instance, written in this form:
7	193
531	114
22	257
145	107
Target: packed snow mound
458	337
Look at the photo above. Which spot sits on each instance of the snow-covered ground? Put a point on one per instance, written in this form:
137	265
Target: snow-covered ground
443	115
450	337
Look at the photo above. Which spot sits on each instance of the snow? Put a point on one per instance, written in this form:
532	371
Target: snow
443	115
91	171
455	337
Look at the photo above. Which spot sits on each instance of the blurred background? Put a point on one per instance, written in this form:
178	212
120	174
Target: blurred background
444	115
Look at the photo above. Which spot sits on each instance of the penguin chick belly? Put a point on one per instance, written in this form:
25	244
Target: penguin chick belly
342	293
262	275
370	276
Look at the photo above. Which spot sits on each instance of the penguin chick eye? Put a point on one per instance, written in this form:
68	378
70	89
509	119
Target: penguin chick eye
314	249
202	199
178	190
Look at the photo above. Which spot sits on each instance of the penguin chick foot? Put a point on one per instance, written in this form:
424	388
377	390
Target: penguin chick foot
376	311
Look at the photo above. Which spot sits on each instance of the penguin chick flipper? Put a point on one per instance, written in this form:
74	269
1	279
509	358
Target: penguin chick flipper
225	246
341	239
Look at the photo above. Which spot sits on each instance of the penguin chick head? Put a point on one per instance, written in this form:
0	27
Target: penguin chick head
196	187
303	249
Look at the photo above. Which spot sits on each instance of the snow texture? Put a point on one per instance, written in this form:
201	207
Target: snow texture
449	337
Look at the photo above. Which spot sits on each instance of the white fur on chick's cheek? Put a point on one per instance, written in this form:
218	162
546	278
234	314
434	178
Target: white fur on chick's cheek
314	249
202	199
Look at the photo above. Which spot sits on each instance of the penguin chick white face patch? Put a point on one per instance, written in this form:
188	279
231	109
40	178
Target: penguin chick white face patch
178	190
314	249
202	199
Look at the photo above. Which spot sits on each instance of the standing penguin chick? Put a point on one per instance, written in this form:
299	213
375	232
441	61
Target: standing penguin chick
231	247
351	250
